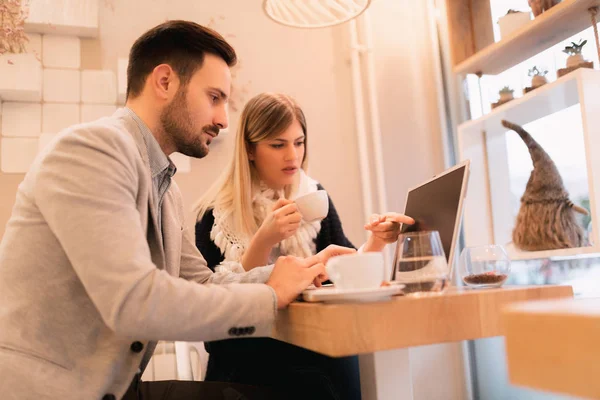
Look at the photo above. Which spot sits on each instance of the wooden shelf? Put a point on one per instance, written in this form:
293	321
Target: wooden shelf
545	100
559	23
488	217
554	346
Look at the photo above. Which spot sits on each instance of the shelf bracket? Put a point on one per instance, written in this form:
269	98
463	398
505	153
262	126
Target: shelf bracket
486	165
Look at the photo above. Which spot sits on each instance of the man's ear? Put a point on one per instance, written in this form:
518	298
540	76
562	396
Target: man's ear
164	81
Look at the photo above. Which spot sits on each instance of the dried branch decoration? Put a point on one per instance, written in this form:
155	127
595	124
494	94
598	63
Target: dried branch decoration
12	21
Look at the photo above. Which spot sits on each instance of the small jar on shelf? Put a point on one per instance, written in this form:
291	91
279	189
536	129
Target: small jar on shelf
513	21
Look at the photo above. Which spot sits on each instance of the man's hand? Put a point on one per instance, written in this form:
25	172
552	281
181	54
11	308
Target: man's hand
330	251
291	275
324	255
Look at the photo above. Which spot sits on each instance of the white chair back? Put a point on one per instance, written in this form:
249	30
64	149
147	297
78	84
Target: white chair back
185	361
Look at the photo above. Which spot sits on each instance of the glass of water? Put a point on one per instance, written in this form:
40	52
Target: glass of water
420	263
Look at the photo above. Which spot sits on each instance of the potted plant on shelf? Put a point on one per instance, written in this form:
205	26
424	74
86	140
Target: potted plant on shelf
538	77
540	6
506	95
575	59
537	7
548	4
574	53
512	21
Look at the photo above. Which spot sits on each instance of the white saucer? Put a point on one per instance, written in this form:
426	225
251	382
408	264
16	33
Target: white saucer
334	295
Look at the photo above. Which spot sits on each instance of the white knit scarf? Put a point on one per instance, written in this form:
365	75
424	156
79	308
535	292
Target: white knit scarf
233	244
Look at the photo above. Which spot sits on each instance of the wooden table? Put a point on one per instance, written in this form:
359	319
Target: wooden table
555	346
400	323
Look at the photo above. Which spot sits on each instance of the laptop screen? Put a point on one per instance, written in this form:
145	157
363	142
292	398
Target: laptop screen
437	206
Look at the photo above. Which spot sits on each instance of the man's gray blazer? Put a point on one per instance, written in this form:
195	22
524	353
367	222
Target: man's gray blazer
86	284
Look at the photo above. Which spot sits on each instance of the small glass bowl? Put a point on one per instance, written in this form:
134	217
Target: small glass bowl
484	266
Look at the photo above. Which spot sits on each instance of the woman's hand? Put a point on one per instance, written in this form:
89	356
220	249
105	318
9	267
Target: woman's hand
281	223
384	229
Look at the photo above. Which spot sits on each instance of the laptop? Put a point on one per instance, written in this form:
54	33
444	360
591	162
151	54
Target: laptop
437	205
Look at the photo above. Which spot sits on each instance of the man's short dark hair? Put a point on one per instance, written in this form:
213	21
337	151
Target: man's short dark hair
181	44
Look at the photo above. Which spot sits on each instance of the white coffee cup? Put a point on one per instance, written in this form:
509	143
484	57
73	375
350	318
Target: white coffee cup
357	270
313	206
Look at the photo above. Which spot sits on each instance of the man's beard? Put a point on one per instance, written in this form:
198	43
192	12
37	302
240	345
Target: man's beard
177	124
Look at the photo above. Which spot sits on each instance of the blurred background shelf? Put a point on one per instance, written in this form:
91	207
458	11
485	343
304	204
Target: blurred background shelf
545	100
559	23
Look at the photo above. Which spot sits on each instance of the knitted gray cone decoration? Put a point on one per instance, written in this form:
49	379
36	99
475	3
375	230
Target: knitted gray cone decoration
546	220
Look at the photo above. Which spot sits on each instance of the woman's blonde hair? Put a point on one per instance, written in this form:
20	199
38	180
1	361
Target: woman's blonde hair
265	116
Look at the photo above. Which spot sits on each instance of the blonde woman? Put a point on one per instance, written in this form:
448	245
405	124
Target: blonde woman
249	218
